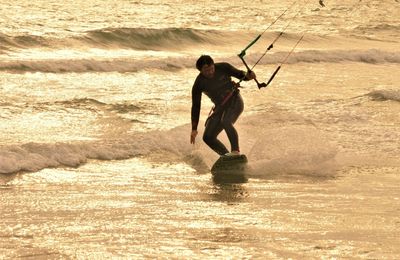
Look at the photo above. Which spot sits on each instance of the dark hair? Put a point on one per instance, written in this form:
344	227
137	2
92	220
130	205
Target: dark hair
204	60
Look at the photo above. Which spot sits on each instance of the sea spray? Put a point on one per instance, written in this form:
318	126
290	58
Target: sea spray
292	149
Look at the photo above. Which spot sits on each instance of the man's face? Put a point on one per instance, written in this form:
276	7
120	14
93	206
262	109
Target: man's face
208	71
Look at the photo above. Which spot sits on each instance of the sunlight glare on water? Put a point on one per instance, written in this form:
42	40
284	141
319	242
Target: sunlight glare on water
95	118
172	212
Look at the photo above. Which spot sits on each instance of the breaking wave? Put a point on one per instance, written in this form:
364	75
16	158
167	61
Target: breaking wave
93	65
144	39
372	56
378	27
31	157
131	38
385	95
90	103
291	149
77	103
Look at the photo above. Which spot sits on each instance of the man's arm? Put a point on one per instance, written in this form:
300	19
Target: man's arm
196	105
239	74
195	113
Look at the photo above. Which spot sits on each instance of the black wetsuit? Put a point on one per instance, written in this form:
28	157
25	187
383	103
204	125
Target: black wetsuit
223	118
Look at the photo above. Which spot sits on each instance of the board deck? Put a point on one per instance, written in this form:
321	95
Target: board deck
228	164
230	169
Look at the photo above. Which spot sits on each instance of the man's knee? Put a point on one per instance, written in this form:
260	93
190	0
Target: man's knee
207	138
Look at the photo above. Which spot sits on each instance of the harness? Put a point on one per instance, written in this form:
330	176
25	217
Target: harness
221	107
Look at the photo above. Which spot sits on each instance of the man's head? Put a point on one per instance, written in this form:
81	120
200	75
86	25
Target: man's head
205	64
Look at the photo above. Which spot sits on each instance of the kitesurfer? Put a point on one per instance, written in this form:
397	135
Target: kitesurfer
215	81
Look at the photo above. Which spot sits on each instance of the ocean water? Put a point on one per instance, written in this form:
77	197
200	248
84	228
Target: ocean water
95	158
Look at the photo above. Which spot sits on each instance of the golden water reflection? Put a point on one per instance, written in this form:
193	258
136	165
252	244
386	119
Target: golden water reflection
138	209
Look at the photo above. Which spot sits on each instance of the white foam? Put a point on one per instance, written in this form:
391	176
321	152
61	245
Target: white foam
35	156
271	149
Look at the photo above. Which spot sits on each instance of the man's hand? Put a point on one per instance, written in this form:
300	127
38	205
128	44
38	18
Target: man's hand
193	135
251	75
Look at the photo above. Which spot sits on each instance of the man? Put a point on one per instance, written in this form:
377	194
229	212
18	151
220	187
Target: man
214	80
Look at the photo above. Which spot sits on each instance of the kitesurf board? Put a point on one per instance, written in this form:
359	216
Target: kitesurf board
230	169
229	165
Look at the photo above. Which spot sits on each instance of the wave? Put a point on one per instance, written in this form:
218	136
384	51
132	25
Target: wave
31	157
79	103
385	95
277	149
90	103
378	28
23	41
165	39
153	39
131	38
372	56
94	65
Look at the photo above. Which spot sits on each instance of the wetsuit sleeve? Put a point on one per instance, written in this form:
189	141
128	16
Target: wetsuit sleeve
196	104
234	72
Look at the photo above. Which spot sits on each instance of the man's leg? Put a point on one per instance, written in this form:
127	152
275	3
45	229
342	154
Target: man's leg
212	130
230	116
